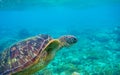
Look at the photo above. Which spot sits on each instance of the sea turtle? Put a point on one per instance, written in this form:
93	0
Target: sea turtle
32	54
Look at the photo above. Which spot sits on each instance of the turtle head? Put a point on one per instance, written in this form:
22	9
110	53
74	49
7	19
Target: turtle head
68	40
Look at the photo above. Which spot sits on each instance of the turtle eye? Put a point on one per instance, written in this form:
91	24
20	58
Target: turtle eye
74	40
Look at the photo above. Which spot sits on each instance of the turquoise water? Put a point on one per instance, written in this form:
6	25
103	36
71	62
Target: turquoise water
96	24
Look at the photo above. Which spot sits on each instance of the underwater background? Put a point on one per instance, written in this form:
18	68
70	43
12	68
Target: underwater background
95	23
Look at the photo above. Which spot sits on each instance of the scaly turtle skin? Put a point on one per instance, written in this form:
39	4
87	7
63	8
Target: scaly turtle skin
31	55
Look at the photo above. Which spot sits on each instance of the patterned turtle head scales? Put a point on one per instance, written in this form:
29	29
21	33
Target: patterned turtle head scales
68	40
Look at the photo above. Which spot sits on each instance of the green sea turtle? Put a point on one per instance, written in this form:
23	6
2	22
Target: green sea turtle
31	55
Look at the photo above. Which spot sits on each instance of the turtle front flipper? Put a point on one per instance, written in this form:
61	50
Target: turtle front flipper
51	49
45	56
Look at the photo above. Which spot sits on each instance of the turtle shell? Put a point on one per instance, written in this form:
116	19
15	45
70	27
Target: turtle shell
22	54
